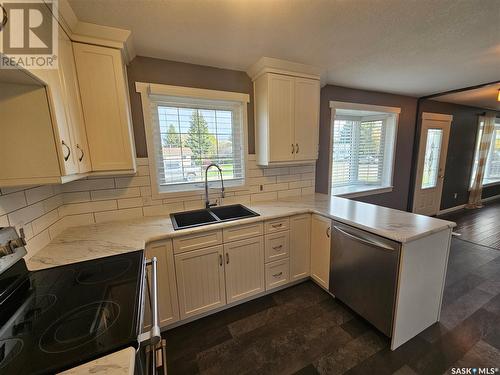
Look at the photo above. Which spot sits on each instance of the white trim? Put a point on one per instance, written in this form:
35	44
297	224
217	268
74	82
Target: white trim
437	116
190	92
364	107
356	194
272	65
145	90
451	209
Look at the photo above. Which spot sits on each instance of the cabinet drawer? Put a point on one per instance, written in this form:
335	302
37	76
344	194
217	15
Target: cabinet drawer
276	246
197	241
242	231
277	273
277	225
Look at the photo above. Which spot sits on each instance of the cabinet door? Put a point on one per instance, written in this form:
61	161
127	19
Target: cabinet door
105	107
306	118
200	280
167	287
281	117
320	250
300	246
73	103
58	112
244	268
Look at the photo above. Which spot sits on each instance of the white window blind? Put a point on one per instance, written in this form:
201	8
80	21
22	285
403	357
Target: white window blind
189	134
362	151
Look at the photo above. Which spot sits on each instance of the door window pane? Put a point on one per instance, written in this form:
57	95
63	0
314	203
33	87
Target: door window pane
431	158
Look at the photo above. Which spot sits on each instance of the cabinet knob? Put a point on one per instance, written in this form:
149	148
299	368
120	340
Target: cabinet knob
66	157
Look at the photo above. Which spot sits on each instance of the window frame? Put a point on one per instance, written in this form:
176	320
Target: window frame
146	90
388	111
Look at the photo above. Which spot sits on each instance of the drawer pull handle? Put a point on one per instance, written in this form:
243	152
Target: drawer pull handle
277	225
278	274
277	247
66	157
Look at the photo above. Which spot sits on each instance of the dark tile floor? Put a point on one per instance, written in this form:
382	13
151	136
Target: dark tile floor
303	330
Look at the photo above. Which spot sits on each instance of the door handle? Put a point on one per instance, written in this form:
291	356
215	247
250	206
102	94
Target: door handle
328	231
297	148
81	150
364	240
220	260
227	258
293	148
66	157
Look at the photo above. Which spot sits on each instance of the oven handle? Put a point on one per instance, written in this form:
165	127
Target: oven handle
153	336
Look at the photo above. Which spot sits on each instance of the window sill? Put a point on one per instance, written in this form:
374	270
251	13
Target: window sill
360	191
489	184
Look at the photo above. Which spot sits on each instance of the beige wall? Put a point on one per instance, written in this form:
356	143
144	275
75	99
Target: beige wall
146	69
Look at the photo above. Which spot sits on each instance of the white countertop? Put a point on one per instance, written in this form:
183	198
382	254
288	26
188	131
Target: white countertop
99	240
120	363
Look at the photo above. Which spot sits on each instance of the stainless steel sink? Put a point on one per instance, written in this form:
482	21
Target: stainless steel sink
196	218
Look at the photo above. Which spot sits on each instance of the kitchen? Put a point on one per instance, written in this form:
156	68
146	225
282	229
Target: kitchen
157	196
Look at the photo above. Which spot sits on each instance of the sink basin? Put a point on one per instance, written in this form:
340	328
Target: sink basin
190	219
235	211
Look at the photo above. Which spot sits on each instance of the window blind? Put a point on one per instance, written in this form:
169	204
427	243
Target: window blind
358	152
190	134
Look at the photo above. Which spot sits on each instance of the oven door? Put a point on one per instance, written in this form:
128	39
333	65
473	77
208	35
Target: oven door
151	355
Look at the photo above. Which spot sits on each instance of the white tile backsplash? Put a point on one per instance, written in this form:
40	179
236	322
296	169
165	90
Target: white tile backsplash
45	211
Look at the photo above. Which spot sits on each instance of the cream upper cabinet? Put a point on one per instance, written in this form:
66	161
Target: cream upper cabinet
104	95
200	280
300	246
244	268
167	285
71	96
321	228
306	118
287	119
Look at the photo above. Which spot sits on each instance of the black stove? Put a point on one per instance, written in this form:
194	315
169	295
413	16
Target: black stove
60	317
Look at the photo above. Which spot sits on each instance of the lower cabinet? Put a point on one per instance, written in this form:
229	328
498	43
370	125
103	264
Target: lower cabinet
321	228
167	287
300	246
244	268
277	273
200	280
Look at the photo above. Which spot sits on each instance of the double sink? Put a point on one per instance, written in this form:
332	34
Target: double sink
213	215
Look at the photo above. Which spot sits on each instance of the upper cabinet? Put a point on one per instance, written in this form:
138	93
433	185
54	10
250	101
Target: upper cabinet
63	124
286	112
104	94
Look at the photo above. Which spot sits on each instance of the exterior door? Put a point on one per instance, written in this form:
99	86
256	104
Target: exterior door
432	153
244	268
281	117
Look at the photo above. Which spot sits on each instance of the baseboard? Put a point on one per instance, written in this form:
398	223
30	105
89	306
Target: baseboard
451	209
456	208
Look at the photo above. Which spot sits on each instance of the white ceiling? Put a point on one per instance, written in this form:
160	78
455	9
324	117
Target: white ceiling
484	97
413	47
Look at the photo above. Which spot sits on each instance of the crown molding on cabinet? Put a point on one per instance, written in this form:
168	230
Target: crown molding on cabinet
272	65
89	33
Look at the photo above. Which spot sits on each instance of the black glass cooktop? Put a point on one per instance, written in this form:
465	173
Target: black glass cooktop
58	318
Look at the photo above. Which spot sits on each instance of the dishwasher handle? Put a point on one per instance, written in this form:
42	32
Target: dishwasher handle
153	336
364	240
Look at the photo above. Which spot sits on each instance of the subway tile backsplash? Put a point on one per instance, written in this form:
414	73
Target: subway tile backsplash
45	211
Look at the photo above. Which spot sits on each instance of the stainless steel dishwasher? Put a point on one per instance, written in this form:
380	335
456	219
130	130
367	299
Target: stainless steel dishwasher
364	273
